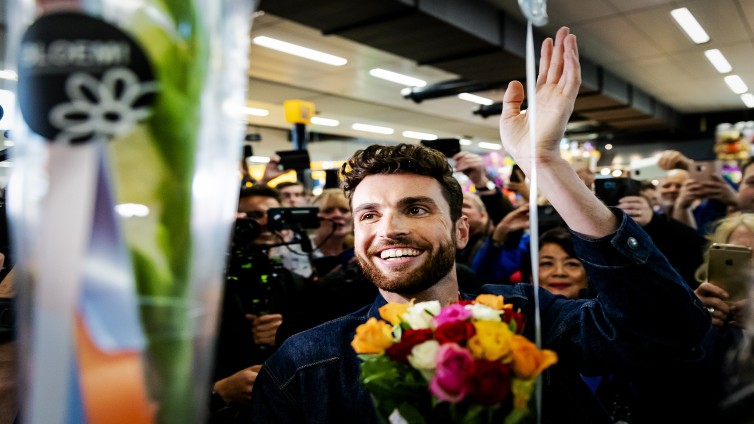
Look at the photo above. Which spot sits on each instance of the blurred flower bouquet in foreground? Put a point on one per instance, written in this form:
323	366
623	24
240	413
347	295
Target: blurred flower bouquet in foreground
466	362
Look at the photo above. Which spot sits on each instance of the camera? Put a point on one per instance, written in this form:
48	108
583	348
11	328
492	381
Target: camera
299	218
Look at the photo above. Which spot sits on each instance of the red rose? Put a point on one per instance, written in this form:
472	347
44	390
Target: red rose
518	317
490	383
455	332
399	352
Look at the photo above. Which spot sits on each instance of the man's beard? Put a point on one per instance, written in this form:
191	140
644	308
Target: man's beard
412	282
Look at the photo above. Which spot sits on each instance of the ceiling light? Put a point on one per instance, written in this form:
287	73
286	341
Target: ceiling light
464	142
299	51
475	99
617	173
736	84
255	111
327	122
719	61
397	78
605	171
748	100
372	128
608	146
9	75
690	25
419	135
489	146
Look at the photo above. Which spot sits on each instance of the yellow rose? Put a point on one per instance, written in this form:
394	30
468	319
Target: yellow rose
492	341
528	361
392	312
491	300
374	336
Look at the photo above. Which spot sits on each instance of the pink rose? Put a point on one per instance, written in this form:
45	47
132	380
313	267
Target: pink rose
454	366
452	313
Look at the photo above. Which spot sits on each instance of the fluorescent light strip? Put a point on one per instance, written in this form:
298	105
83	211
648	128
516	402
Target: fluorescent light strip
719	61
419	135
464	142
259	159
489	146
475	99
397	78
327	122
372	129
690	25
255	111
748	100
299	51
736	84
8	74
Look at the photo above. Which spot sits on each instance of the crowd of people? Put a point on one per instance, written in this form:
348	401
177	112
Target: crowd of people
640	329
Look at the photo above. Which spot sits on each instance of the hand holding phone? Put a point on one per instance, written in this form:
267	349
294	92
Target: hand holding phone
730	268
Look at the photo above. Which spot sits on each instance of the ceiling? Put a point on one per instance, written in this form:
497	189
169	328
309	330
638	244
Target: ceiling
643	79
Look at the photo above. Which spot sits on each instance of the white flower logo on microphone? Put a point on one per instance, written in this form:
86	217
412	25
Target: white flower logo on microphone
105	108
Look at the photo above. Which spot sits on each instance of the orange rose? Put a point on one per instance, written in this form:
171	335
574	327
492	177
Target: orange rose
491	300
392	312
374	336
528	361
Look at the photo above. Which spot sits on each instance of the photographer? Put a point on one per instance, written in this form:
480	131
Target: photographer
259	293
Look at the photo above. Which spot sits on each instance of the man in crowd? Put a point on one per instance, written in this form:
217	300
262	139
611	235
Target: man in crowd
405	241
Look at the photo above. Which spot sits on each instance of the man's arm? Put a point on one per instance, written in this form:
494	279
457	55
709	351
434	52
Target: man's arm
557	86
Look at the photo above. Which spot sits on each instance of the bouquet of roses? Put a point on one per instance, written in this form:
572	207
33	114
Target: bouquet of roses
466	362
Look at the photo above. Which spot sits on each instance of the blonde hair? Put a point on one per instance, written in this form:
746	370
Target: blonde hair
331	196
723	229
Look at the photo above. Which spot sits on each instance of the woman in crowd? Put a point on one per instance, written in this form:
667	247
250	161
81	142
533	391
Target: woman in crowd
333	240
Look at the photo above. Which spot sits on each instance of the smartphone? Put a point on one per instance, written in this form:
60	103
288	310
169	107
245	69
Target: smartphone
447	146
294	159
515	171
703	171
647	169
729	267
548	218
581	162
611	190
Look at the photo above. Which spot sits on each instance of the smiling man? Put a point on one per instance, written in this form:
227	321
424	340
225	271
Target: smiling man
408	222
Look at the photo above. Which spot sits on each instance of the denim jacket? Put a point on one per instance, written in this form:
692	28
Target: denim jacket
643	314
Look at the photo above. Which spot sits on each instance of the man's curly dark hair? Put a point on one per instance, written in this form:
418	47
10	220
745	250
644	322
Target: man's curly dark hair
403	159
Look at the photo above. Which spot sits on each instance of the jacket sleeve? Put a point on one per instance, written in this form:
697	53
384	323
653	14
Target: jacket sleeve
643	312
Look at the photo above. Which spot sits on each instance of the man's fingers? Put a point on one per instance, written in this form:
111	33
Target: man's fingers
544	61
555	71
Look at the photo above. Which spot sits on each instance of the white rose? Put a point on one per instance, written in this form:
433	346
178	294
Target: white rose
483	312
422	358
420	316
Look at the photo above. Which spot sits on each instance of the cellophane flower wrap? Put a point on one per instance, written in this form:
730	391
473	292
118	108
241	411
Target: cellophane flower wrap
464	363
121	201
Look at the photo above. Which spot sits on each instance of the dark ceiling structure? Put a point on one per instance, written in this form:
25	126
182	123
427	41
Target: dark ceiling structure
486	47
